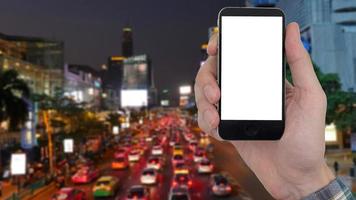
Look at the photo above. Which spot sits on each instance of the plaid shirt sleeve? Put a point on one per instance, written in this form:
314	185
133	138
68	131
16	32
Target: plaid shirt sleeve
336	190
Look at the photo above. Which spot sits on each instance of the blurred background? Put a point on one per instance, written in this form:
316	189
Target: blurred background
97	100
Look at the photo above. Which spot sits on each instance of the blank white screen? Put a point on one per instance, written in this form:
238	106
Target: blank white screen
251	68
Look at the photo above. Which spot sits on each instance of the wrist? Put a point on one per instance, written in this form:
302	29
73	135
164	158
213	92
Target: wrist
313	181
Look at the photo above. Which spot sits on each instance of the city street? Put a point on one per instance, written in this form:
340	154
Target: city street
201	182
115	100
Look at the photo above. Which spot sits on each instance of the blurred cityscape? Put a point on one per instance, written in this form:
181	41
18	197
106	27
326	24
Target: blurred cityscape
74	131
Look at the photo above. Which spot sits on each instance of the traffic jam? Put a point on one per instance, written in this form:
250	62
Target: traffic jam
156	159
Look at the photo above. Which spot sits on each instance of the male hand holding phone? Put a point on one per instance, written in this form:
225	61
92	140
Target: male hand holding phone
294	166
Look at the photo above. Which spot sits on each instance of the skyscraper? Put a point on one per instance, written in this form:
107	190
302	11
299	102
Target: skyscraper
127	42
328	30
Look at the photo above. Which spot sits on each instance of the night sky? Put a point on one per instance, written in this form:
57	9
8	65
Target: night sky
170	32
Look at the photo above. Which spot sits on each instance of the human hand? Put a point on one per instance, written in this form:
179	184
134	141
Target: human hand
294	166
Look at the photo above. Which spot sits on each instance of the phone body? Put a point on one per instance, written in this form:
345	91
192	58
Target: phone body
251	73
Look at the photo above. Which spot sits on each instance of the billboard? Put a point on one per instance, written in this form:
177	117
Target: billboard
136	73
134	98
18	164
68	145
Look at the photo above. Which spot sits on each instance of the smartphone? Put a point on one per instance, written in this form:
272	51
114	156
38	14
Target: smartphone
251	73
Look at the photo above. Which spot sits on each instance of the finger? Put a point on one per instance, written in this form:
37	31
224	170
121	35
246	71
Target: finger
303	74
213	45
206	88
208	118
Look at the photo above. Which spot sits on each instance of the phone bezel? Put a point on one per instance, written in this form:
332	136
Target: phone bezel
251	129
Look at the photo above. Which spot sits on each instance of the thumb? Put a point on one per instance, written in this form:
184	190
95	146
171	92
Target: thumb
303	74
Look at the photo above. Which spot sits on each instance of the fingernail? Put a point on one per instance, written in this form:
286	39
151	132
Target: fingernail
209	93
209	118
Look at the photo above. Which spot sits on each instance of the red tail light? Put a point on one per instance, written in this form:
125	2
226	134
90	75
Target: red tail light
174	183
228	188
190	183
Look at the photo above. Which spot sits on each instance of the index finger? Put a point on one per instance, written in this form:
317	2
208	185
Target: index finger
213	45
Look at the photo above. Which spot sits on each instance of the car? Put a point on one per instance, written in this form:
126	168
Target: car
69	193
220	186
106	186
189	137
178	150
149	139
120	163
204	140
205	166
182	180
198	155
149	176
157	150
134	155
171	143
155	163
120	153
179	193
85	175
181	168
177	159
138	192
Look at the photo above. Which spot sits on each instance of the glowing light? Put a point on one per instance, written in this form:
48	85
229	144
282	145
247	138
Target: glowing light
18	164
185	89
91	91
134	98
117	58
115	130
330	133
204	46
68	145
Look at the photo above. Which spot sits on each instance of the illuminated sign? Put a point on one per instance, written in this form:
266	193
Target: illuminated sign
18	164
115	130
186	89
134	98
136	73
68	145
165	102
330	133
117	58
97	84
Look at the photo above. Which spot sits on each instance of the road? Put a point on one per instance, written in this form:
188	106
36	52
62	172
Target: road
235	170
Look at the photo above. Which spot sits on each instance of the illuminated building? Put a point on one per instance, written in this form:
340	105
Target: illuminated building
138	80
39	51
83	84
127	42
39	79
14	54
328	30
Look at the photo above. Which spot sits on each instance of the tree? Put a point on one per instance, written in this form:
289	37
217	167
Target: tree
114	118
340	109
13	94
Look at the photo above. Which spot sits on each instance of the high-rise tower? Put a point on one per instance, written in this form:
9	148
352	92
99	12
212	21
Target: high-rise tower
127	42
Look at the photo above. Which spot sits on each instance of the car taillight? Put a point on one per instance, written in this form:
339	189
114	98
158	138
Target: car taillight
190	183
175	183
228	188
